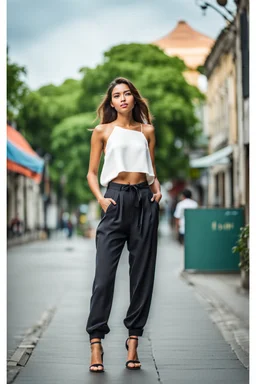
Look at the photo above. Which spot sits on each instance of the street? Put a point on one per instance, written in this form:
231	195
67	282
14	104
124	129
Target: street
180	343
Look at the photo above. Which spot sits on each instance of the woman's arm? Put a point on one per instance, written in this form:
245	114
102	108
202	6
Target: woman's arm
155	187
97	143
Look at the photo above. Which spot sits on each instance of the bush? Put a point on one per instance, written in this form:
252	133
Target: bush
242	248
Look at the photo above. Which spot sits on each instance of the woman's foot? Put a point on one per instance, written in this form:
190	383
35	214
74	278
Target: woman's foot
132	358
96	356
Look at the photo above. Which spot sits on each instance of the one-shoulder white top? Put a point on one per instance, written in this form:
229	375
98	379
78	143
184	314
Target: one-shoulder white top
126	151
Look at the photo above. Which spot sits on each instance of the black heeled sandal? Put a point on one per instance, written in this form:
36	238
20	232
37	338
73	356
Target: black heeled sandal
132	361
97	365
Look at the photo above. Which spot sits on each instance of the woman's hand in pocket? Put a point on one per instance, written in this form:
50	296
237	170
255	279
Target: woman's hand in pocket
105	203
157	197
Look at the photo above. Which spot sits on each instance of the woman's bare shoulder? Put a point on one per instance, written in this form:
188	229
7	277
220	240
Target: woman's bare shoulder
149	131
102	131
100	128
148	128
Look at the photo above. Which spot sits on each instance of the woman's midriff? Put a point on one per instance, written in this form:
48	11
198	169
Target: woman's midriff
130	178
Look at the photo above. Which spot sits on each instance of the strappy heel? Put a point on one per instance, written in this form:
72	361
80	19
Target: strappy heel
97	365
132	361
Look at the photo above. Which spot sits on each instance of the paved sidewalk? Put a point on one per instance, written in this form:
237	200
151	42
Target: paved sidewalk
228	307
180	344
227	289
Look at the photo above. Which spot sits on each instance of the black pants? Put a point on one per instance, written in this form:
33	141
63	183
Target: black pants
134	219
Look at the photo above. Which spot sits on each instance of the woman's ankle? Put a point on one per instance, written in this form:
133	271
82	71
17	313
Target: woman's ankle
131	337
95	339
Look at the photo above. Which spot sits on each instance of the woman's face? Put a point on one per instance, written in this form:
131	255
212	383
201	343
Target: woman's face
122	99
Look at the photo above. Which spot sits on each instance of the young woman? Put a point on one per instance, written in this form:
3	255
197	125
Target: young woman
130	213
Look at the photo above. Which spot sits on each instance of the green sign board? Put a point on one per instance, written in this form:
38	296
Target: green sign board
210	235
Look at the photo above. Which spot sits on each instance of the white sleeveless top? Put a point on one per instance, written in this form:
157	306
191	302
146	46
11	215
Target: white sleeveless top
126	151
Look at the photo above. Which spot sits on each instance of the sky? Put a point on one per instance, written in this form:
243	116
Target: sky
53	39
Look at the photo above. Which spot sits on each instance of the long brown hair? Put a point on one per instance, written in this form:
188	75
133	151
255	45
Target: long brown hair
140	112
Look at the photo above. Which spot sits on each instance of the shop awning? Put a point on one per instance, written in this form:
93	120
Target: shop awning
21	158
218	157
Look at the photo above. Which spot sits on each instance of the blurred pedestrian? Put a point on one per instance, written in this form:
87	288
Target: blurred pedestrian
130	212
16	226
173	207
186	203
69	228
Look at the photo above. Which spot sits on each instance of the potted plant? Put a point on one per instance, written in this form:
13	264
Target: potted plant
242	247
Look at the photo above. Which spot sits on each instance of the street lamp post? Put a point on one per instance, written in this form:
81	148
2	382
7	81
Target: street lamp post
204	5
46	190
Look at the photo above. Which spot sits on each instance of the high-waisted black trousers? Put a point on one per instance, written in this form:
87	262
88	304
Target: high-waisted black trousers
134	219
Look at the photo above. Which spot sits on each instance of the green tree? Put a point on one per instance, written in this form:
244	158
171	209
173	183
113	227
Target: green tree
71	141
160	80
45	108
16	88
57	118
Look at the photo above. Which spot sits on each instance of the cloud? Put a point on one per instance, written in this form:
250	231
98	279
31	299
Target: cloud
56	38
28	20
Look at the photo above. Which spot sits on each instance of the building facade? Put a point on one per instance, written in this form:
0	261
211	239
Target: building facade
192	47
220	69
24	200
227	71
242	68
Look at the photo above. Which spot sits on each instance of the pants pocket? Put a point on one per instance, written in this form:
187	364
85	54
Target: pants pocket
150	195
113	194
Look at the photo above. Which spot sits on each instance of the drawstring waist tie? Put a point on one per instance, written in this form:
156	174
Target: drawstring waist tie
138	202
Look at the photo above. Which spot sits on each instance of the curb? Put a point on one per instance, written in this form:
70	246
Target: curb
23	352
230	325
27	238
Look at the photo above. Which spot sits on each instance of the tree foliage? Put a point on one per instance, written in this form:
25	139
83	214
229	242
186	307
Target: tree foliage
160	80
71	140
56	118
16	88
242	247
45	108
